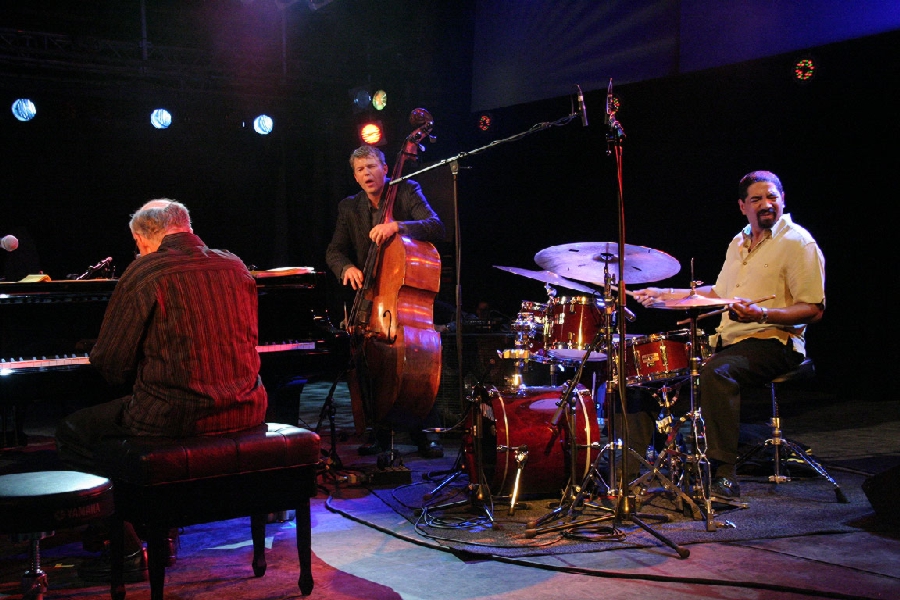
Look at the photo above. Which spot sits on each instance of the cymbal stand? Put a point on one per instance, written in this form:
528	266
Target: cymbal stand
671	457
578	497
624	508
699	460
571	502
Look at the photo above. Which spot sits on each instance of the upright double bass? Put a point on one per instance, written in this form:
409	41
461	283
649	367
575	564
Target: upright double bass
396	366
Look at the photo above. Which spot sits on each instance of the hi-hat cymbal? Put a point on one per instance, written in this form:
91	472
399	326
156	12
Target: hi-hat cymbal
548	277
692	301
586	261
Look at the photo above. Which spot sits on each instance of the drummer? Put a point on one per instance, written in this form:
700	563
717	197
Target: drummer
757	340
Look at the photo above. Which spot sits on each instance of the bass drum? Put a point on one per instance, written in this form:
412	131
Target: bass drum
515	420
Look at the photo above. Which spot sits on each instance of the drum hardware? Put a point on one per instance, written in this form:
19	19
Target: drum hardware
676	458
521	455
479	491
693	303
577	497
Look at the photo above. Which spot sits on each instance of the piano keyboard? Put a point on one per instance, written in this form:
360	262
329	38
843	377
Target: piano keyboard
13	364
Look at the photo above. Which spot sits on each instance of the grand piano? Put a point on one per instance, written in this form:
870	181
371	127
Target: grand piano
47	329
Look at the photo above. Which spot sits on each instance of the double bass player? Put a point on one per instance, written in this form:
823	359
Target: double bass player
360	224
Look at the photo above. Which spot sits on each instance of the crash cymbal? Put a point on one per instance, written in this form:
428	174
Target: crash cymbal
692	301
585	261
548	277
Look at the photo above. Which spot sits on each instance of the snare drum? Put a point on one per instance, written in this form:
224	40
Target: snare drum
513	418
572	324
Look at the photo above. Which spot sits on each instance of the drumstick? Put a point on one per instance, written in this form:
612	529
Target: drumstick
627	292
721	310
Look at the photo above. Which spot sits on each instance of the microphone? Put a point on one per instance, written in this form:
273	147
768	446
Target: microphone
91	270
9	243
581	109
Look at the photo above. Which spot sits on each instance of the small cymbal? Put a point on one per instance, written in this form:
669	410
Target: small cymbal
692	301
587	261
548	277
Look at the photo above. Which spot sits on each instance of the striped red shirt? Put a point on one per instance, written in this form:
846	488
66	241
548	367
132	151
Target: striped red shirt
182	323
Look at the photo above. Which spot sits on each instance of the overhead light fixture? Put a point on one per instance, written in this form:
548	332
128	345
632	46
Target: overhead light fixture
485	122
379	100
361	98
161	118
372	133
263	124
804	69
23	109
364	98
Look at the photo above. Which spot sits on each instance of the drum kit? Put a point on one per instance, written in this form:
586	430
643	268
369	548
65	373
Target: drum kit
568	332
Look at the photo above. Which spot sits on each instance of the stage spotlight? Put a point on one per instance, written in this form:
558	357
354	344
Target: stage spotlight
263	124
379	100
361	98
160	118
485	122
372	133
804	69
23	109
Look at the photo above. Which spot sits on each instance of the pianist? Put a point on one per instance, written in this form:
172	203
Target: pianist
181	326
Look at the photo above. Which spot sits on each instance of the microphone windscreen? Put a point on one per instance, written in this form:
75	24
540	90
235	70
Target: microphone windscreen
9	243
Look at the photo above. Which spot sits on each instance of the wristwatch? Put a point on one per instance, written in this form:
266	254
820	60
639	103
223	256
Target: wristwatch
764	317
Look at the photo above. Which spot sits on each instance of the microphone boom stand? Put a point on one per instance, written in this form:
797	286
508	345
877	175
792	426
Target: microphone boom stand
479	489
624	510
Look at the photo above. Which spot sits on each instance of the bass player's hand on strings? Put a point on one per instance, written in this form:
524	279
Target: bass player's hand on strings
353	276
383	232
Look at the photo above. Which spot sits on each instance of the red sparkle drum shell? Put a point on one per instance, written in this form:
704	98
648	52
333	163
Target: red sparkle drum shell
659	357
512	418
572	325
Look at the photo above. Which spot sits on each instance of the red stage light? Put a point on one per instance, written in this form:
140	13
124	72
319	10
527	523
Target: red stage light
372	133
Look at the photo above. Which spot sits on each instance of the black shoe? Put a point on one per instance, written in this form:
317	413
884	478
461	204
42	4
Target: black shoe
431	450
725	488
100	568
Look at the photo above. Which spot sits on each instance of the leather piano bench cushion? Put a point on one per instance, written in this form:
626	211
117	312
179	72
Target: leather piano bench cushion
149	460
44	501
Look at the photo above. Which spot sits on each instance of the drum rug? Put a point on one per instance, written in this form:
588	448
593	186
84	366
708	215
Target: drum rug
440	510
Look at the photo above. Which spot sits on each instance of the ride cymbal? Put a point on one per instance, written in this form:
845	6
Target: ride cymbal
588	261
548	277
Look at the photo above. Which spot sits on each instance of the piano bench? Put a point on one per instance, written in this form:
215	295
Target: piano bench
160	483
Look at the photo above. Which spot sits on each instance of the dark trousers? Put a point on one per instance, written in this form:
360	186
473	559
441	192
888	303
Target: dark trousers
746	364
